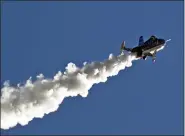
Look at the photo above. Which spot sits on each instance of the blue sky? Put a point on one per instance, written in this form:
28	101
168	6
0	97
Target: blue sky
147	98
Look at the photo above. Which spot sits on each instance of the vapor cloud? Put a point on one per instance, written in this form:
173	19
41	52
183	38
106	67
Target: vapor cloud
22	103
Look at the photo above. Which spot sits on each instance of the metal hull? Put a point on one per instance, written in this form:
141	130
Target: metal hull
153	49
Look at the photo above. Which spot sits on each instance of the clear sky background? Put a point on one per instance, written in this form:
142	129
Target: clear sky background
147	98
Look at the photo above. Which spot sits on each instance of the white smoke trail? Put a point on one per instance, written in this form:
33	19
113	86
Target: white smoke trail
21	104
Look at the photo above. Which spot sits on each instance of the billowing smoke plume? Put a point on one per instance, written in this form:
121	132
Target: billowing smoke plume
21	104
